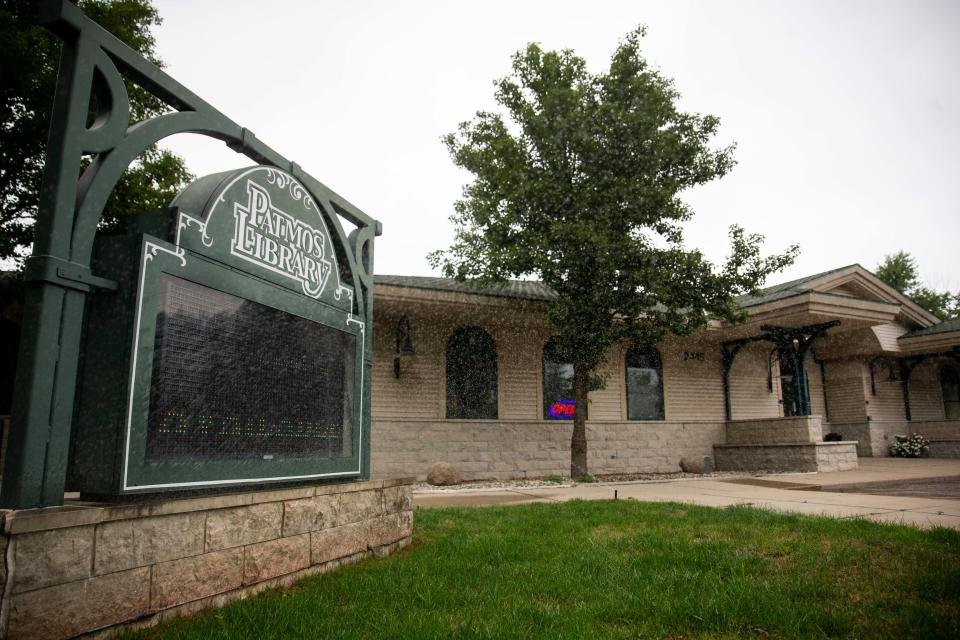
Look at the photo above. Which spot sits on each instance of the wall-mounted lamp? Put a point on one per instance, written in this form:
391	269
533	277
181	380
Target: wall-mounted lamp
404	345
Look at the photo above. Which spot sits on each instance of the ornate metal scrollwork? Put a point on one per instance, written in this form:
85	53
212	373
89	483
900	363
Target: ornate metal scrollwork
95	64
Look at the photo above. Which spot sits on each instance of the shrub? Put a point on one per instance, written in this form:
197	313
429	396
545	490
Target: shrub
555	479
909	446
585	478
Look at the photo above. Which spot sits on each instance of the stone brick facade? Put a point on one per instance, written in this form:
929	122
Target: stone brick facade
944	436
945	449
82	567
498	449
783	444
501	449
873	438
836	456
821	456
775	430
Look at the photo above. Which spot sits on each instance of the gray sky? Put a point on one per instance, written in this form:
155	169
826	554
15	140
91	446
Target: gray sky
846	114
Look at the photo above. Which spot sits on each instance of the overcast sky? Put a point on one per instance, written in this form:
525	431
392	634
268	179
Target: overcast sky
846	115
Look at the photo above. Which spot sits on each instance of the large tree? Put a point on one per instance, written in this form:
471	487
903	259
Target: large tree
577	182
900	271
27	81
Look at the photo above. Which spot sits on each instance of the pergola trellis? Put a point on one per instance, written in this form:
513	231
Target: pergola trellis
94	64
793	343
909	363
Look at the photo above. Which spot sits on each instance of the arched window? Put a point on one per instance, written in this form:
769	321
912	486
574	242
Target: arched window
471	375
558	395
950	386
644	384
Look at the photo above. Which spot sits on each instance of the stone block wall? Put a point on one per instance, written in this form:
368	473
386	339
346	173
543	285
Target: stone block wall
82	567
821	456
873	438
503	449
775	430
944	436
936	429
945	449
836	456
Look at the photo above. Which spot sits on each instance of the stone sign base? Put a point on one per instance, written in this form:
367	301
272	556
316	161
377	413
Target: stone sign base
82	567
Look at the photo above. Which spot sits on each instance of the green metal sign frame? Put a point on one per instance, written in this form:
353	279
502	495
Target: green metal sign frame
137	475
58	278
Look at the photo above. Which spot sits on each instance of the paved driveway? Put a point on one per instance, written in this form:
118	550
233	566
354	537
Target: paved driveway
913	488
820	494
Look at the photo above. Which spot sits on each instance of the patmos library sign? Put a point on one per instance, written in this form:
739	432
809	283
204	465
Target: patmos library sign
231	352
271	238
218	348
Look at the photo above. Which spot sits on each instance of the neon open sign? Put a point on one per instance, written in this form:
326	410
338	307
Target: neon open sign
563	408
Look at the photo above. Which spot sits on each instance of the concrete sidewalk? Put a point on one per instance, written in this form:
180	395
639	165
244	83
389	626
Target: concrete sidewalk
812	493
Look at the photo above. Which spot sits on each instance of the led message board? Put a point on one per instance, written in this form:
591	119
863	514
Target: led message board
236	379
234	346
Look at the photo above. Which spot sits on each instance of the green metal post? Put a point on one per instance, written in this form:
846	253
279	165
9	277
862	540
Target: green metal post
803	390
729	354
823	385
39	441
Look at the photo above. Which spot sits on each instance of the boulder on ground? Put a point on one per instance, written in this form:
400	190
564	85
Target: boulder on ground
443	473
697	465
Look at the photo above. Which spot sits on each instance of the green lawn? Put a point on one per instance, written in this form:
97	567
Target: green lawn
620	570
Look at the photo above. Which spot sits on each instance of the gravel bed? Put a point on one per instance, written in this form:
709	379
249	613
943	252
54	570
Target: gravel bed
529	483
522	483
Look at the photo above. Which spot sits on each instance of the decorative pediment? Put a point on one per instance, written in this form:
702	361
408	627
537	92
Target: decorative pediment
856	282
856	289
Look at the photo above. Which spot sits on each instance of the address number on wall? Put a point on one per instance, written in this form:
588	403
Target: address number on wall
693	355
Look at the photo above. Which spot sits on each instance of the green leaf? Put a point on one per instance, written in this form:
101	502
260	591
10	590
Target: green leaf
27	81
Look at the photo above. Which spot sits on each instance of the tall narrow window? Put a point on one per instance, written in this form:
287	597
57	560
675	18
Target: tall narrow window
950	386
558	393
644	383
471	375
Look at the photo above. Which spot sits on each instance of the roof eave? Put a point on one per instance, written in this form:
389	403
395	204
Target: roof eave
815	302
930	343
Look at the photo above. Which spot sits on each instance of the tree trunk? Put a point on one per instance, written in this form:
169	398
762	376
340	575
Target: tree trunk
578	443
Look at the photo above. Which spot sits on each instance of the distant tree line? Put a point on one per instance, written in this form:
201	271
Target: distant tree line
900	271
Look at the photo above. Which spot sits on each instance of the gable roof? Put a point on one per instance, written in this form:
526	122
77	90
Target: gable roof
842	279
787	289
943	327
536	290
851	281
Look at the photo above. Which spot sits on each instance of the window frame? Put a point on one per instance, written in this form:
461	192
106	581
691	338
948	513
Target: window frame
645	350
550	347
495	365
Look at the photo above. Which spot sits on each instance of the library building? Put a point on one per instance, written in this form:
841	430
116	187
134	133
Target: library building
826	369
